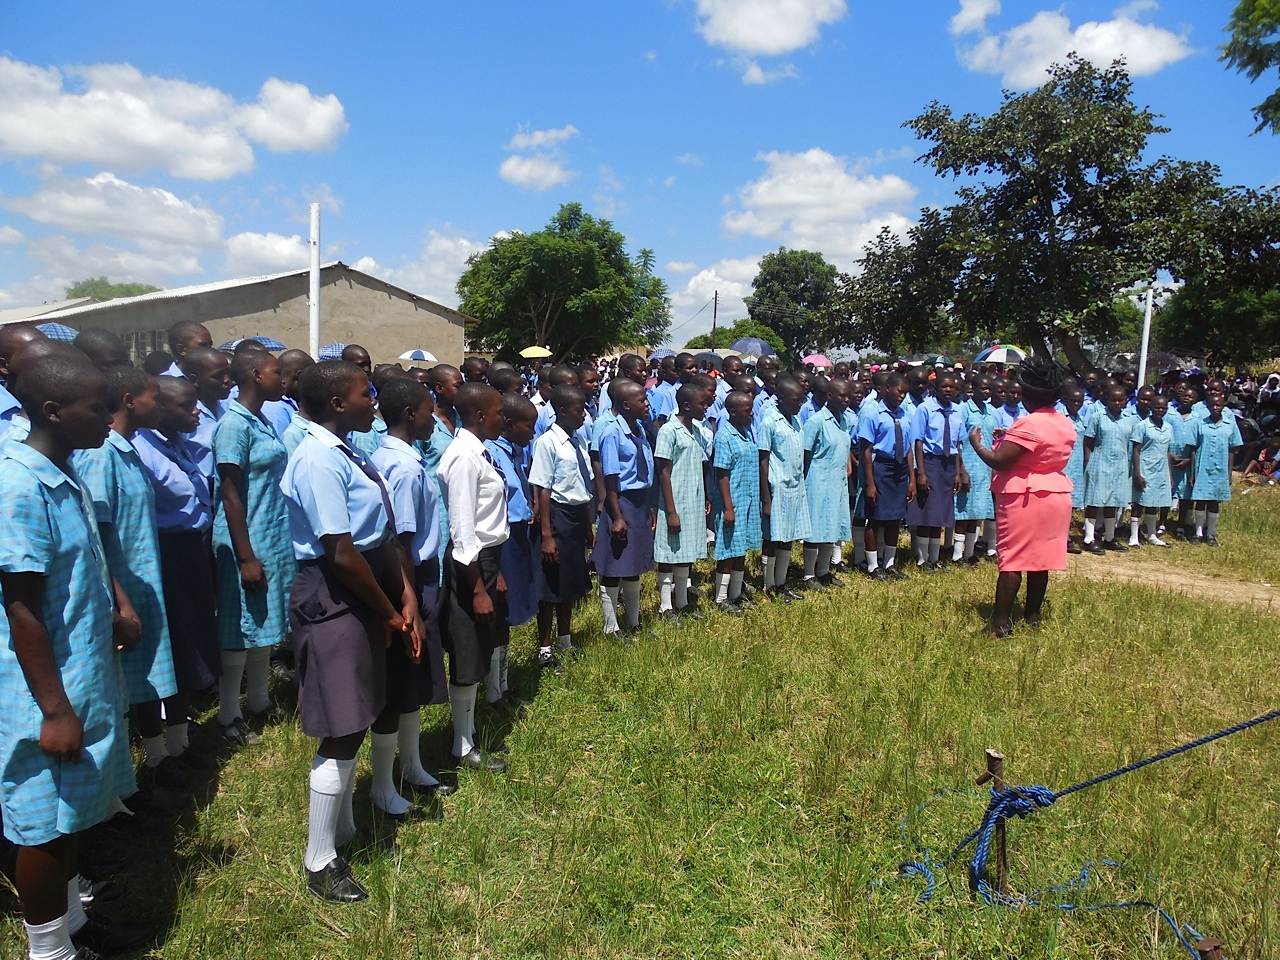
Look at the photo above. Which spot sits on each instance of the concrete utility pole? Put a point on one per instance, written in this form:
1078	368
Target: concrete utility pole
314	293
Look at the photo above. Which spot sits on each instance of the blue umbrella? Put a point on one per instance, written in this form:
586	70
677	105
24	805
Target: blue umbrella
269	342
662	352
58	331
754	346
331	351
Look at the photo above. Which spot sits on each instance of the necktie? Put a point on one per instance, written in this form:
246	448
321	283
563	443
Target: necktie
899	448
642	459
373	475
946	431
582	463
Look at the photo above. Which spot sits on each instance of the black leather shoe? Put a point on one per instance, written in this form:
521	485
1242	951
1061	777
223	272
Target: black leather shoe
690	612
108	939
1115	546
778	596
1073	547
791	594
97	891
831	580
724	606
169	773
1097	549
894	572
335	884
84	953
475	760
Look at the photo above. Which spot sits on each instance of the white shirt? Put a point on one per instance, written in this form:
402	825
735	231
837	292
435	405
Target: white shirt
474	495
561	465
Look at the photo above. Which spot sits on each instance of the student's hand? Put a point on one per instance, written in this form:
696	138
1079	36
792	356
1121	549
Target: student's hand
706	510
871	494
415	640
394	627
975	437
500	588
591	538
550	552
911	491
618	530
997	433
252	577
962	483
126	629
673	524
922	482
1181	461
766	507
1140	481
727	518
62	735
481	604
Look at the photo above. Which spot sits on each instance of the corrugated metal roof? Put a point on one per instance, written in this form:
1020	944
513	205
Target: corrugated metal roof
17	314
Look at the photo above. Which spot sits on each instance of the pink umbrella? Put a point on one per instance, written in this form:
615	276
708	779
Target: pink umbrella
818	360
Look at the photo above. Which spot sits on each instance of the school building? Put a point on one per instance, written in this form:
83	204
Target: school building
355	307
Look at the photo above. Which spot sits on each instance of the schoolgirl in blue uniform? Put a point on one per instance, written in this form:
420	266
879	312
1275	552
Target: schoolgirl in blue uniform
1106	472
784	503
939	431
974	504
1073	399
1152	439
341	606
1216	437
735	502
887	459
827	448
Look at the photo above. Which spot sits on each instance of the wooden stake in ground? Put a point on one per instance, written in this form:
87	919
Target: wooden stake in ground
1210	948
995	776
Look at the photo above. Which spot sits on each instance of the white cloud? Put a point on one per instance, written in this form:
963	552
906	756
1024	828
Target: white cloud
669	182
753	75
692	159
106	204
434	273
1023	53
64	261
680	266
10	235
817	201
766	27
112	115
289	117
253	254
538	172
973	15
731	277
537	139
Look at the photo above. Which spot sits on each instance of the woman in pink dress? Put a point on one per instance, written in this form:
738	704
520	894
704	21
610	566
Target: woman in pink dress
1032	494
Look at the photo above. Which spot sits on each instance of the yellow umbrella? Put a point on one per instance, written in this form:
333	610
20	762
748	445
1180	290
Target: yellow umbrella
535	352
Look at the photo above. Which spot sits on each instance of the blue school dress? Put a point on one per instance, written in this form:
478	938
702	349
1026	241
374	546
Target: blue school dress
685	451
249	620
1184	441
976	503
1213	443
1106	476
736	453
431	452
782	438
120	488
826	440
1154	462
48	527
1075	465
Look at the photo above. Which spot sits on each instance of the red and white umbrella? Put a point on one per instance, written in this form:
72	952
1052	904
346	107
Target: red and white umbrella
818	360
1001	353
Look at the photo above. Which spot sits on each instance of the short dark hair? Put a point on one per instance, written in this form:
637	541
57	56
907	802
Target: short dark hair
398	394
102	347
515	407
157	362
352	348
244	364
172	385
182	331
441	372
628	363
320	383
1042	380
562	375
504	379
472	398
123	380
59	377
198	358
688	394
564	396
249	345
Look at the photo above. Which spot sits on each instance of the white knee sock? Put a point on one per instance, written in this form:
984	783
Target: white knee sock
462	705
411	770
837	554
1089	526
229	685
609	603
873	560
935	549
810	555
322	819
680	597
1135	523
735	584
177	738
666	586
154	750
823	567
767	563
990	535
256	671
722	588
958	547
1211	523
889	556
50	941
76	918
859	539
631	601
781	564
382	754
1108	528
493	682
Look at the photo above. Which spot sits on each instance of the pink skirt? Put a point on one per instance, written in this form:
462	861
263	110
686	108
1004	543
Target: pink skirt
1032	531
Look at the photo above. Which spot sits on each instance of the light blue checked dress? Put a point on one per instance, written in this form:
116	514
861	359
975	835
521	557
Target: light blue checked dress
48	529
248	620
1154	462
1106	476
684	450
976	503
827	442
1184	440
783	440
1075	465
1213	443
120	488
431	452
736	453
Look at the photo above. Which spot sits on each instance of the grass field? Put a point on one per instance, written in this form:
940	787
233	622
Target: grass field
735	788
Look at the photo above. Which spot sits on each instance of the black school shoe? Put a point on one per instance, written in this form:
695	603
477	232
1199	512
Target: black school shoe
477	760
335	884
1096	548
108	939
1073	547
1114	545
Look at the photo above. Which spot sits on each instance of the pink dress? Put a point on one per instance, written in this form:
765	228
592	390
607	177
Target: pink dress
1033	498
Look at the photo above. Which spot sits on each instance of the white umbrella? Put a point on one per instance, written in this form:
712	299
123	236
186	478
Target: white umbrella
418	354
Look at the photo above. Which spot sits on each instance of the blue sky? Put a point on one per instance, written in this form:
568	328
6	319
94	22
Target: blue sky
181	143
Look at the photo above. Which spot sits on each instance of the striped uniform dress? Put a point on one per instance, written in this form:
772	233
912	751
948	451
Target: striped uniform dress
781	437
736	453
827	442
684	450
1106	476
976	503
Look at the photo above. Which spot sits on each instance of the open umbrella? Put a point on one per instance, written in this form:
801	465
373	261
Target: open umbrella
1001	353
418	354
535	352
818	360
753	345
662	352
270	343
331	351
709	358
937	360
58	331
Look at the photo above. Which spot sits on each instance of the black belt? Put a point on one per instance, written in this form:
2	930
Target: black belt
885	458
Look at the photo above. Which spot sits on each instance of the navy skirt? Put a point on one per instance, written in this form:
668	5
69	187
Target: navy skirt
412	685
892	480
190	605
937	508
569	580
518	563
340	651
634	555
469	642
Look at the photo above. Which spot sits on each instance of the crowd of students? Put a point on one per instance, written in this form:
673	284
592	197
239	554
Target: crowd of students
169	527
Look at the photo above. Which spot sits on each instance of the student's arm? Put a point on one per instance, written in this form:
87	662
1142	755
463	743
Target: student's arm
766	498
617	529
668	496
911	473
542	497
962	475
865	458
61	732
922	479
597	475
252	577
126	627
1135	464
398	577
722	480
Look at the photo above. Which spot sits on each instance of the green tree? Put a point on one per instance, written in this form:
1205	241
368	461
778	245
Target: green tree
1055	218
100	288
791	294
746	327
570	287
1254	49
1232	329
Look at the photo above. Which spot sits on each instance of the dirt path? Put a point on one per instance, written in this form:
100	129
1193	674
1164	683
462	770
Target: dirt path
1259	596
